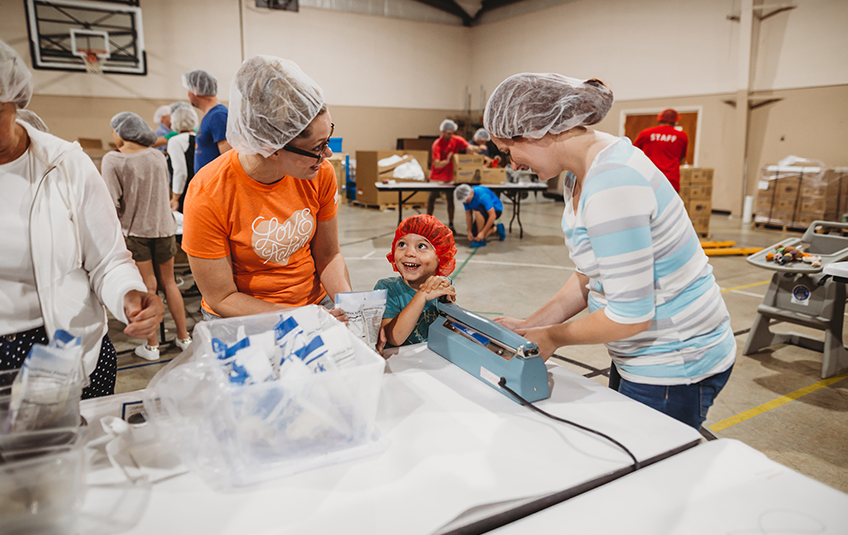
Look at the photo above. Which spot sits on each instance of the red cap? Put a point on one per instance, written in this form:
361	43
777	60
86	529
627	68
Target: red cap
439	236
668	116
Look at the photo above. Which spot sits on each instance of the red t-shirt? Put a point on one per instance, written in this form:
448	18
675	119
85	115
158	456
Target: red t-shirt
446	149
266	229
665	146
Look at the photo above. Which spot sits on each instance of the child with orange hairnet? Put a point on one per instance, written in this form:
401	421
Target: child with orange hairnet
423	253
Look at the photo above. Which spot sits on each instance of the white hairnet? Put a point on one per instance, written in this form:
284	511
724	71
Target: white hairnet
161	111
462	192
482	135
448	126
179	104
183	119
271	102
32	119
200	83
130	127
531	105
15	78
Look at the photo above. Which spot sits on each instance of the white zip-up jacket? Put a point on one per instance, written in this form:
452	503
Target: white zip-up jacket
79	256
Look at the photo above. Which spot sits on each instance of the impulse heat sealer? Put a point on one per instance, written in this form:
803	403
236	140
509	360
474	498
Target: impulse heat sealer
489	351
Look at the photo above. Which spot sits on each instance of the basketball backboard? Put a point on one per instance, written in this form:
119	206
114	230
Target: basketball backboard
69	35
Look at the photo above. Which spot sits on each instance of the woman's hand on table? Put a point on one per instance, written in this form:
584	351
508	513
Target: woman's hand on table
144	312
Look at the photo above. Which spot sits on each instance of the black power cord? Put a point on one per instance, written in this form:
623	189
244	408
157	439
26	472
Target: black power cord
502	384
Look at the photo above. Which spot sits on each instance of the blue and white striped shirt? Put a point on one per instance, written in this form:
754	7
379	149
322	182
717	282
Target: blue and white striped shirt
632	237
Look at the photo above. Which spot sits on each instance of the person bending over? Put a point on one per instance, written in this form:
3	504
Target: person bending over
482	209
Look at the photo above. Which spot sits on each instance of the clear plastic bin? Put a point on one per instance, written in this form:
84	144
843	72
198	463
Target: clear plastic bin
236	436
42	481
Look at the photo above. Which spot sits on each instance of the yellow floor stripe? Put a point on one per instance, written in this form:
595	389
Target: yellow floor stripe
773	404
745	286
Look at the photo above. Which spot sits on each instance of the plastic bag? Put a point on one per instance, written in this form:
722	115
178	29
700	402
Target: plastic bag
364	312
318	408
47	390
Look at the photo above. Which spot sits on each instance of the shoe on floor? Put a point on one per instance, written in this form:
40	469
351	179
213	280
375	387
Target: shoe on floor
481	243
147	352
183	344
191	292
453	230
501	232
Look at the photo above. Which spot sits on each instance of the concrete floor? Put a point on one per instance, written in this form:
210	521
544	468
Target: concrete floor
516	276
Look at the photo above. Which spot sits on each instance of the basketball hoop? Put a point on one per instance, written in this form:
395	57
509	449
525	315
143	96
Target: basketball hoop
93	59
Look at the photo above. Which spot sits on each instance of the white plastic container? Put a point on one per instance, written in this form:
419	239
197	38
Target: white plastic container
235	436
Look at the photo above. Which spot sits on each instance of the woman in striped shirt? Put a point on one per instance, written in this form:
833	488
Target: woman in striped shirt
641	271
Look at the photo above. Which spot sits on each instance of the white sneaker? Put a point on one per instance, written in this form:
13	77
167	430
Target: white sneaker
183	344
147	352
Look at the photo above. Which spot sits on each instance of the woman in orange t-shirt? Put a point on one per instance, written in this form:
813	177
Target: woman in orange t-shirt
260	225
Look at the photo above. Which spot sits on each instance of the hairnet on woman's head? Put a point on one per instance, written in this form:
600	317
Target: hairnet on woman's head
448	126
271	102
482	135
183	119
161	111
439	236
33	120
200	83
462	192
174	106
531	105
131	127
15	78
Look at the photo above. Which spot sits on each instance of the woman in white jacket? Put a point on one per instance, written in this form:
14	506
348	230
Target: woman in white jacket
63	256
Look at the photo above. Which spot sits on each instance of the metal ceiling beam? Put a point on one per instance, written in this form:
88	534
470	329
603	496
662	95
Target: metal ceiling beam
451	7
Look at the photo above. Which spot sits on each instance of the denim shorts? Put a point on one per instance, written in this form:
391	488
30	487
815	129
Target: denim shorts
686	403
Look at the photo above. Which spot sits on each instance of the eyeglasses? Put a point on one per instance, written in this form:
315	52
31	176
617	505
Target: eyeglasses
301	152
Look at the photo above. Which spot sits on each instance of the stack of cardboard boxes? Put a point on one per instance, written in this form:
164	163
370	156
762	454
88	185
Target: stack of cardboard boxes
696	190
471	169
369	173
794	197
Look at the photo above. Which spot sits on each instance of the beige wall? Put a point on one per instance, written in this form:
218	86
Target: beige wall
361	128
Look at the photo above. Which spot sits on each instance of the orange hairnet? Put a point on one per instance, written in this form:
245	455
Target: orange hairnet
439	236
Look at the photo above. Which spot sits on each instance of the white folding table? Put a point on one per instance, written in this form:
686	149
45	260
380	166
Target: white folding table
722	486
460	456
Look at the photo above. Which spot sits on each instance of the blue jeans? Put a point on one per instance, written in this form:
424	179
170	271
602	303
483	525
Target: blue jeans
686	403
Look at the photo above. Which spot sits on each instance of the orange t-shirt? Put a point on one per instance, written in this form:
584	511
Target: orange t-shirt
266	229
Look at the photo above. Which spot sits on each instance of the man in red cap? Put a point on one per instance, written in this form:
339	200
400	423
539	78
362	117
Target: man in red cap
665	145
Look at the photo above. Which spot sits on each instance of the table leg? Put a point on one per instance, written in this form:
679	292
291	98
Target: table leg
400	207
518	214
511	198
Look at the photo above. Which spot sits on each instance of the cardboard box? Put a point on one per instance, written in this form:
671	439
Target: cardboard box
701	225
695	175
368	174
699	209
467	175
494	175
473	160
338	160
700	192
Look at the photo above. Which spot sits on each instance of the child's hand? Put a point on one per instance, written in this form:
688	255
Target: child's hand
436	286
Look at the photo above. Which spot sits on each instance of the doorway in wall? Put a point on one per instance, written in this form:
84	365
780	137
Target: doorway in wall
636	121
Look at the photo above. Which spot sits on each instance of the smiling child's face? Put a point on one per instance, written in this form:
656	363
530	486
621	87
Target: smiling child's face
415	259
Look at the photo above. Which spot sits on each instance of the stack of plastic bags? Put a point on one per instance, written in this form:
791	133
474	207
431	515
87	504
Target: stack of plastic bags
262	396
